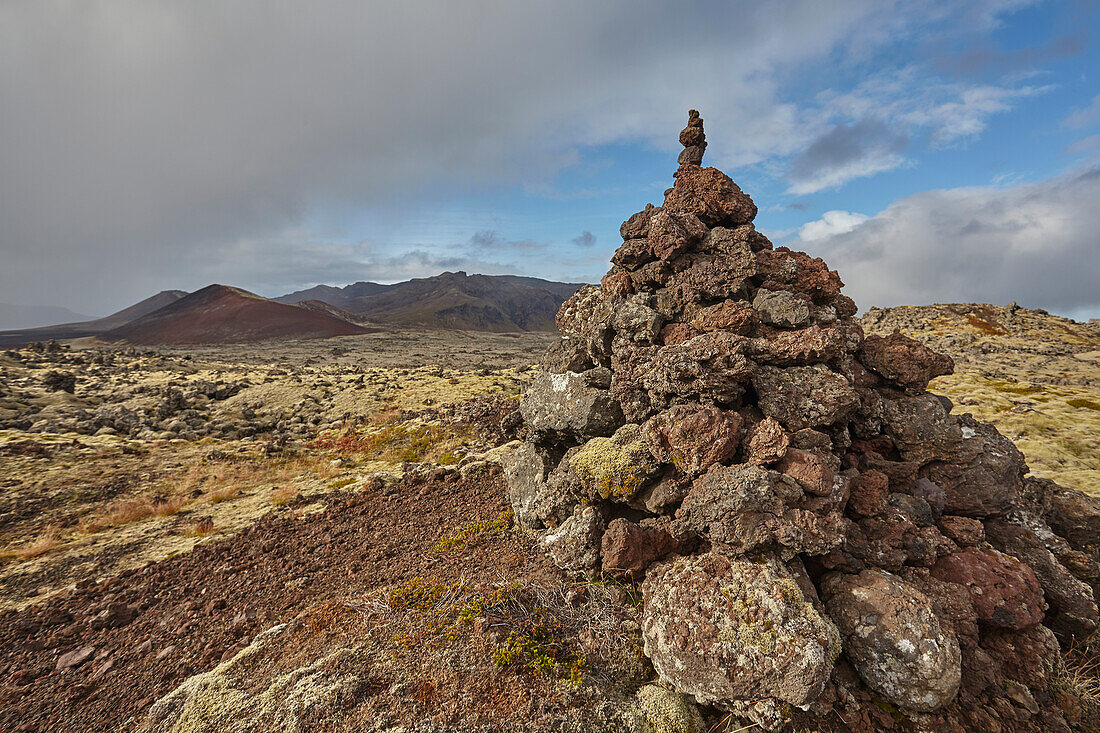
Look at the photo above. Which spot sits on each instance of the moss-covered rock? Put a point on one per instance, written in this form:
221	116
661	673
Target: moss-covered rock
613	468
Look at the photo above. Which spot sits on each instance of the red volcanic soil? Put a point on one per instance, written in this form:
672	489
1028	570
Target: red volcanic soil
183	615
219	314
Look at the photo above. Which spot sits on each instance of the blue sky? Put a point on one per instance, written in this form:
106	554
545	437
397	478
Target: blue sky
930	151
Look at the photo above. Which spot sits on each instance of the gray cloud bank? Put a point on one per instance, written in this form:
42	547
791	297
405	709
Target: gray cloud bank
146	145
1037	244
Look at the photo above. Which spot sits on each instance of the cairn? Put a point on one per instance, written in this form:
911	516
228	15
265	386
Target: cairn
820	542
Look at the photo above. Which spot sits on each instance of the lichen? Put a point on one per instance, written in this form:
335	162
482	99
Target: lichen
615	467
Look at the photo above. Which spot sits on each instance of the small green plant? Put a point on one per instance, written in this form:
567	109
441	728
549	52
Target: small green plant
472	532
537	645
1082	403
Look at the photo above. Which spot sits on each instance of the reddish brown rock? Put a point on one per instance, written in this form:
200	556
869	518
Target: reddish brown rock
1072	606
1005	592
677	333
672	234
964	531
617	283
1029	654
725	316
804	346
633	254
711	195
628	548
767	442
810	470
693	438
869	491
637	226
784	269
904	361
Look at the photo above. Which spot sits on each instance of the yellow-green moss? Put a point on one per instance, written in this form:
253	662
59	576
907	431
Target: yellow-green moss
615	467
470	533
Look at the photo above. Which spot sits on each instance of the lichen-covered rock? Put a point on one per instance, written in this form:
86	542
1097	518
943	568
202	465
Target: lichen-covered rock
782	308
227	699
1005	592
575	544
634	321
585	318
893	638
660	710
805	396
743	508
570	405
708	367
730	631
693	437
904	361
610	468
525	472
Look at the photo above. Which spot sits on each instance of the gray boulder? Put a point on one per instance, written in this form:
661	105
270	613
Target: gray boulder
782	308
894	640
570	405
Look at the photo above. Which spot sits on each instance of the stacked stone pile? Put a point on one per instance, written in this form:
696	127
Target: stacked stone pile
820	542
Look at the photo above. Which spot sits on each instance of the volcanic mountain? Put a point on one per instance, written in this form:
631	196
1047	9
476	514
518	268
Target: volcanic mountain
223	314
452	300
81	329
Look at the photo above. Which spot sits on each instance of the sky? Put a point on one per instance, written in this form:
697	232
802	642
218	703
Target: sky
929	151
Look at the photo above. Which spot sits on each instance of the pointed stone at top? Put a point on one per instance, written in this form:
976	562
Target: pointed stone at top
693	139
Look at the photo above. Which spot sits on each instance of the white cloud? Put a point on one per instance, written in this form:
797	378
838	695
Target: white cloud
830	223
1085	116
1034	243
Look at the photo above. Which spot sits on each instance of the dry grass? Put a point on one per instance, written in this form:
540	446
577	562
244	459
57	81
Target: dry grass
47	541
388	439
1079	676
572	632
134	509
283	495
200	528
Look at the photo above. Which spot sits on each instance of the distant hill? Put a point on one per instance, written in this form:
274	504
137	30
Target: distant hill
81	329
34	316
224	314
453	300
332	295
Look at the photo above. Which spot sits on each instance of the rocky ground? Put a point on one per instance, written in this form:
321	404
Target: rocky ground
315	536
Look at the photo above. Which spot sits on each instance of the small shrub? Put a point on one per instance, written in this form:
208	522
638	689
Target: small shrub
472	532
1082	403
